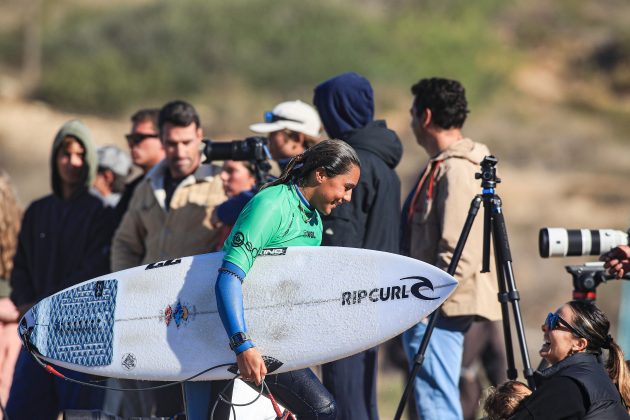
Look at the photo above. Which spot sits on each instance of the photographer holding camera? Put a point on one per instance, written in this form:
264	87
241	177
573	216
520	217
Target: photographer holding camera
617	261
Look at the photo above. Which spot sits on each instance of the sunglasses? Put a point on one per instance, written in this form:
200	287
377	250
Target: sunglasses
271	117
137	138
552	321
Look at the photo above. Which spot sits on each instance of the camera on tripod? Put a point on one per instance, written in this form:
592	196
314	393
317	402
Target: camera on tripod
253	149
560	242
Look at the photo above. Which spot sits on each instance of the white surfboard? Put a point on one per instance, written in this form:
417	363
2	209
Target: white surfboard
303	306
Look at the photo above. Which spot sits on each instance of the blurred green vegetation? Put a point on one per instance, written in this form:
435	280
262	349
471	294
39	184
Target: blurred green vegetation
109	60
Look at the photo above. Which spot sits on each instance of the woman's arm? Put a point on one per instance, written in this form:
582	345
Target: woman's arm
229	294
256	225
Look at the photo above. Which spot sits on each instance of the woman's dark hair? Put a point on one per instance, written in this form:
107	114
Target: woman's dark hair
336	157
593	325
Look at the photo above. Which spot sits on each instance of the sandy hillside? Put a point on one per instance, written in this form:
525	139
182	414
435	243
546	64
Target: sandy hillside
559	168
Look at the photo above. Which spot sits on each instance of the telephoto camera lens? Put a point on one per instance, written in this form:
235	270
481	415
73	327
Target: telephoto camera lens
560	242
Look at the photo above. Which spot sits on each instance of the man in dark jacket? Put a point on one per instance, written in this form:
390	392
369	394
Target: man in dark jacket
64	240
346	107
146	151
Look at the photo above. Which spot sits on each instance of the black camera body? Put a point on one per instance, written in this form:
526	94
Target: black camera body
252	148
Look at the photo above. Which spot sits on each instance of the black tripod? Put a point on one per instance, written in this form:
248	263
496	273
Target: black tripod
494	224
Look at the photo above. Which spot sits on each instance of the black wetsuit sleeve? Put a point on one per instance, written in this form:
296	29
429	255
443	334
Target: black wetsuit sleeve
558	398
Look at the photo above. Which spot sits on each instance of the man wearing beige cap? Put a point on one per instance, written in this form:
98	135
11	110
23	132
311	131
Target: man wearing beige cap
291	127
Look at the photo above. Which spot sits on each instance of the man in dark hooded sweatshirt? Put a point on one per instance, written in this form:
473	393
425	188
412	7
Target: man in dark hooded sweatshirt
346	107
64	240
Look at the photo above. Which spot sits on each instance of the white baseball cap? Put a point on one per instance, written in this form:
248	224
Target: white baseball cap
293	115
114	159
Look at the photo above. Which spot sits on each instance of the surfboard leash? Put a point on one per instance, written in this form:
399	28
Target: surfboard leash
51	369
286	415
280	415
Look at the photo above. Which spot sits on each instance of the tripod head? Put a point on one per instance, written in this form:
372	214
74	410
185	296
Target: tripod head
488	174
586	278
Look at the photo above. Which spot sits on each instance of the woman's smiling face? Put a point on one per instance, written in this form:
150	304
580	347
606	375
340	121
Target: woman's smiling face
559	342
334	191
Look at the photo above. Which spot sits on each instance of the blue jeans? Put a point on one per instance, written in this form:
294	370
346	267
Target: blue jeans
436	387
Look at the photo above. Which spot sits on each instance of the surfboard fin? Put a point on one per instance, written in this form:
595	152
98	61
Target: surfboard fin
272	364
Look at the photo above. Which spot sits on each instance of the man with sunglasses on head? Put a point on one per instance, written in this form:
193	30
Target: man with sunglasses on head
146	151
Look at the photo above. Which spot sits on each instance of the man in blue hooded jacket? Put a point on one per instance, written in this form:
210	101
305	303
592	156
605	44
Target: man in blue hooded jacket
346	107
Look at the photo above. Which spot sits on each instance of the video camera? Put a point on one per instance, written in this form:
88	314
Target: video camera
253	149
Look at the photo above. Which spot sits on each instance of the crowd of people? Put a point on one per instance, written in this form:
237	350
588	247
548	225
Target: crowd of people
341	187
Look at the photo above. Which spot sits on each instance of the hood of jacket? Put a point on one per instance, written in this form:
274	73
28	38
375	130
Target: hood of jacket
78	130
376	138
344	102
465	149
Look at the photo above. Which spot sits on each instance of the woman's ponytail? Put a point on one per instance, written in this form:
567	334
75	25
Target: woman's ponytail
618	372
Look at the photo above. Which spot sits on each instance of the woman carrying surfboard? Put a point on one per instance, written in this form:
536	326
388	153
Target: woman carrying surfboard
284	213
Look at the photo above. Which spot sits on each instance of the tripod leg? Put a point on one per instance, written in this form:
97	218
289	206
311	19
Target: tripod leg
512	373
419	358
505	261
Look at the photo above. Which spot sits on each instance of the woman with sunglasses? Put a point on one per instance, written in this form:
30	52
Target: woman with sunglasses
281	215
577	384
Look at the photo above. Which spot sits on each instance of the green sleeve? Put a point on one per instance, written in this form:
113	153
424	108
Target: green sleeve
255	228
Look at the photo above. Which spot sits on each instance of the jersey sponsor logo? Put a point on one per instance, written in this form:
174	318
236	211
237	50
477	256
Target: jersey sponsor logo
239	240
309	234
384	294
163	264
272	252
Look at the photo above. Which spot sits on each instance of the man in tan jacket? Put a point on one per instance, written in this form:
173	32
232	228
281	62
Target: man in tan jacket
433	218
169	213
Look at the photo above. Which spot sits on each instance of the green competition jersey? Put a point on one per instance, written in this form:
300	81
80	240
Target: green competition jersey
274	218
